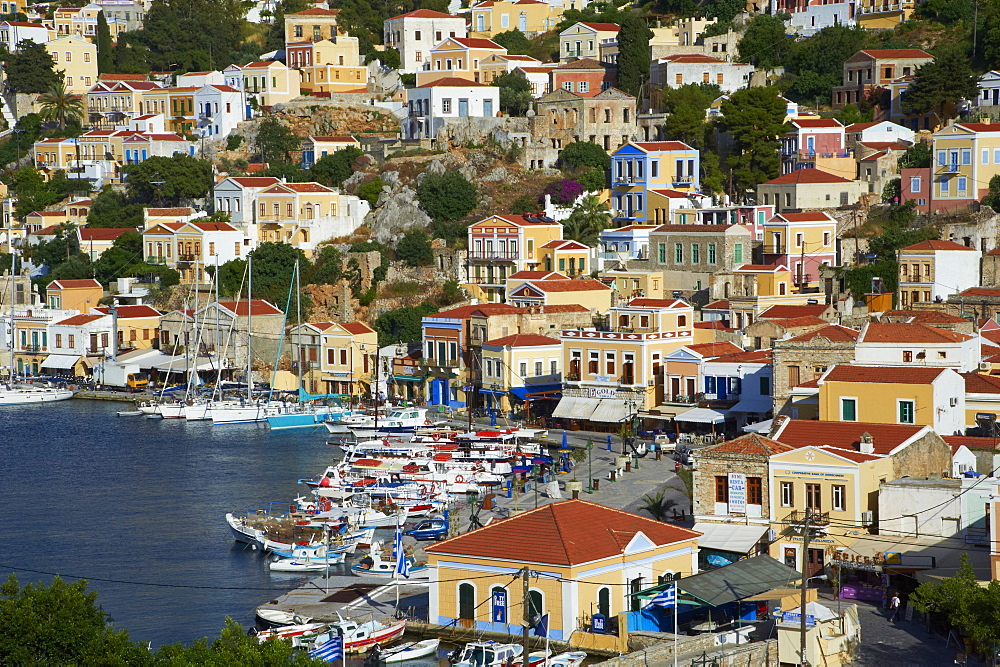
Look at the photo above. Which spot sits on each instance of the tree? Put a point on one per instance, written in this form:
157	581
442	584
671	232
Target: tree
657	505
588	219
35	193
235	647
992	198
754	118
273	266
957	599
60	106
30	69
451	293
891	193
724	11
105	52
633	54
111	209
168	180
402	325
686	107
941	83
515	42
19	142
817	61
592	179
515	93
129	54
328	268
448	196
917	156
849	114
193	35
563	192
764	42
337	167
414	249
371	190
275	140
118	260
584	154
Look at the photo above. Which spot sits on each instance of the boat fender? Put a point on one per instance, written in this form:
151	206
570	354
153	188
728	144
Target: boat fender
427	422
310	508
459	479
423	488
292	508
324	482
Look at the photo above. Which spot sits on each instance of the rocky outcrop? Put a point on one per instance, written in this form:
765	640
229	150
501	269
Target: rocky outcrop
396	213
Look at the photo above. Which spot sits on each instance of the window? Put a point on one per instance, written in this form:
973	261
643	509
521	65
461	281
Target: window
826	238
654	168
86	57
838	497
568	85
523	369
695	253
682	320
69	57
915	184
787	494
755	491
661	253
711	253
593	363
609	361
538	368
764	386
738	253
583	87
966	155
678	253
813	496
679	79
906	412
848	409
961	185
907	356
553	367
446	105
416	33
721	489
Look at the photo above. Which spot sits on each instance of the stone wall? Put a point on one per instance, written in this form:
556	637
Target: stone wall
657	648
812	357
929	456
714	463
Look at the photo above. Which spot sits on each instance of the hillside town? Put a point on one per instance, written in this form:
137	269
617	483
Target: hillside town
748	251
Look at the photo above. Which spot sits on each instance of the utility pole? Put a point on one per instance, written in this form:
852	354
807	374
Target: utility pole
526	614
805	586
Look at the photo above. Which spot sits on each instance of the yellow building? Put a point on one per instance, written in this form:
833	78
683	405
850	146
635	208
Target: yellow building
749	290
628	283
519	368
111	103
458	57
316	148
495	65
581	570
587	292
138	326
286	212
311	25
934	270
81	295
337	358
77	59
269	82
880	15
565	256
965	158
609	376
583	40
328	66
531	17
803	242
54	154
502	245
82	22
915	394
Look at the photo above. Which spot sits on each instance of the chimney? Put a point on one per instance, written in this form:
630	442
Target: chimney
867	444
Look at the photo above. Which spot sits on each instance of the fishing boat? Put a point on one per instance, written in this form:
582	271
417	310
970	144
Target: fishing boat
407	651
567	659
487	654
296	565
293	632
359	637
242	531
280	617
373	565
24	394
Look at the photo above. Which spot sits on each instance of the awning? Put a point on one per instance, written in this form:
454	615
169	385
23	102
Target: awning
334	494
522	392
729	537
760	405
408	378
179	364
491	392
610	410
63	361
701	416
759	427
571	407
739	581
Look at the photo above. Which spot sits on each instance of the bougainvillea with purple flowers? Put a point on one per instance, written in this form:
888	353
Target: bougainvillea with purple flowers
564	192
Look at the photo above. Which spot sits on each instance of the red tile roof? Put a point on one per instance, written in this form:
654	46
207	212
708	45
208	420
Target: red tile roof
690	58
537	275
565	244
77	320
577	285
182	210
73	284
714	349
570	532
424	14
453	82
307	187
780	312
834	333
795	322
564	308
981	291
978	383
850	454
744	357
925	316
522	340
584	63
817	122
938	245
859	127
465	312
341	139
713	324
752	443
316	11
212	226
908	332
972	442
256	181
806	176
808	216
981	127
760	268
662	146
885	145
603	27
883	374
883	54
102	234
260	307
478	43
643	302
131	312
721	304
845	435
357	328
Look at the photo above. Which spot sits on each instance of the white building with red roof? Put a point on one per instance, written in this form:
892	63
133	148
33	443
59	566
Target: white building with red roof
682	69
905	344
810	189
305	214
236	195
317	147
415	33
219	108
430	105
883	131
934	270
810	17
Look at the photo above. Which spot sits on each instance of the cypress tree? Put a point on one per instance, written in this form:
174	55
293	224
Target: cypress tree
633	54
104	54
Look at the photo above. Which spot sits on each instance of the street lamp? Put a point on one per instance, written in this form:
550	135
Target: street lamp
590	465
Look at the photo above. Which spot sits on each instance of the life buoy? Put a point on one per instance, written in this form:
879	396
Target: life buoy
310	508
423	488
436	436
459	478
427	422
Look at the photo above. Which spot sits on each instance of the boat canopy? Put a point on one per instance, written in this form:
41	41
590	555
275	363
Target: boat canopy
306	396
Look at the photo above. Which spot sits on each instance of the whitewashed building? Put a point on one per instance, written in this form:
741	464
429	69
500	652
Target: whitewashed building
235	196
429	106
811	16
681	69
989	89
14	32
415	33
878	132
220	109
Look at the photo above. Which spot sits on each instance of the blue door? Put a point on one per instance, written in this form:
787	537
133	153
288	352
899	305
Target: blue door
488	108
463	108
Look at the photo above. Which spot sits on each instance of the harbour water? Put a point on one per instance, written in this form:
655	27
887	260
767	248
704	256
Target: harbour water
89	494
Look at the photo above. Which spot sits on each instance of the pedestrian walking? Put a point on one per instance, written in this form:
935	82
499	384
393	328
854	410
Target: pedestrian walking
894	608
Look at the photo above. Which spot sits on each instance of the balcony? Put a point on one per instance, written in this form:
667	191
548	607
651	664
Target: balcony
774	249
572	377
501	255
683	180
487	280
812	155
448	363
33	348
187	258
950	168
796	518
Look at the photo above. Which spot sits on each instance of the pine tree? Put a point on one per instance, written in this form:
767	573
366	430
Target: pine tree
633	54
105	59
755	119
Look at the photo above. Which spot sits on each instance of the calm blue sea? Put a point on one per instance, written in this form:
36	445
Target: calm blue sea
88	494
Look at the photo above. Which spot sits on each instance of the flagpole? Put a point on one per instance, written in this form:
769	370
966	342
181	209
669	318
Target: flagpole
676	591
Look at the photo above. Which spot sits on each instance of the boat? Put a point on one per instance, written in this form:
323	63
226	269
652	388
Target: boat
24	394
404	420
280	617
567	659
407	651
130	413
487	654
359	637
306	565
297	631
373	565
242	532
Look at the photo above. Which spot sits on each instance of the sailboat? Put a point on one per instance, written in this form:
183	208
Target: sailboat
21	394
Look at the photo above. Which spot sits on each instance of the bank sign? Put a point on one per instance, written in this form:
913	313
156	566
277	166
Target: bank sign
601	392
737	493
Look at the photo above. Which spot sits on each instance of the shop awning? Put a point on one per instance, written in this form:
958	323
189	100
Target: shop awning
572	407
522	392
610	410
759	427
729	537
491	392
701	416
739	581
61	361
758	405
408	378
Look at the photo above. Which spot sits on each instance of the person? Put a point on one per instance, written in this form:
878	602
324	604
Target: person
894	608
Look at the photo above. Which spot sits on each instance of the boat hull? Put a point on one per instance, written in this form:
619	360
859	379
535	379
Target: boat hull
28	396
299	419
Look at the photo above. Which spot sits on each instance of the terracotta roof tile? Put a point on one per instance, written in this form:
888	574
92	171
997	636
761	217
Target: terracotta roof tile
796	322
978	383
806	176
570	532
781	312
714	349
453	82
662	146
972	442
752	443
851	454
845	435
578	285
817	122
935	244
260	307
908	332
465	312
643	302
357	328
131	312
744	357
603	27
522	340
834	333
883	54
102	234
925	316
721	304
883	374
73	284
77	320
424	14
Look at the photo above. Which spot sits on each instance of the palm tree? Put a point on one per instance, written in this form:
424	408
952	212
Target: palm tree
587	220
61	106
658	506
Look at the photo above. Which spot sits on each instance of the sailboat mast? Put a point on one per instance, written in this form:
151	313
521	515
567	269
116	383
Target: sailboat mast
249	327
298	322
13	290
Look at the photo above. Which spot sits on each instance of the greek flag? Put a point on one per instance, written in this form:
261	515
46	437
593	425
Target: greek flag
402	563
665	598
330	650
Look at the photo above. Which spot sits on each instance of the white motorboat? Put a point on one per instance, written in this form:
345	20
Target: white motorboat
293	632
172	410
248	413
359	637
316	565
488	654
24	394
129	413
567	659
373	565
409	651
405	420
280	617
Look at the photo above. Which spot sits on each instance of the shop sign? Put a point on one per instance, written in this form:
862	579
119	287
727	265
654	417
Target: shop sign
854	561
601	392
499	605
737	493
598	624
796	618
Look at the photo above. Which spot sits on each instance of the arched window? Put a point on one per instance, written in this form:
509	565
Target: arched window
466	602
604	601
536	602
665	578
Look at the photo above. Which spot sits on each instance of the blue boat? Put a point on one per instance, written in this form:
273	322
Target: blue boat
308	413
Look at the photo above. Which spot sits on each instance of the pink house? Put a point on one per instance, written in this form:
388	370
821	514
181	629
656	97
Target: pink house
809	140
915	186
